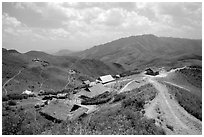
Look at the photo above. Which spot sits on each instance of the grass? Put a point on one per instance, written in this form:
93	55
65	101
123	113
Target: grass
190	102
193	75
100	99
21	121
125	119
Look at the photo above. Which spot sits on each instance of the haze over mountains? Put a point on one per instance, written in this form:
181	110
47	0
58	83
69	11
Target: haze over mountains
63	52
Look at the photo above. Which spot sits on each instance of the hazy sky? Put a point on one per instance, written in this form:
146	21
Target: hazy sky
78	26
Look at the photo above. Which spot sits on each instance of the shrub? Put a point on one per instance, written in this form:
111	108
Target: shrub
100	99
17	96
190	102
5	98
23	122
119	97
136	98
11	103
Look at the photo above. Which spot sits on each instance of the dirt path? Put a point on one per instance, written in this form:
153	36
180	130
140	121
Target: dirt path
176	85
42	79
169	114
69	80
125	87
137	82
10	80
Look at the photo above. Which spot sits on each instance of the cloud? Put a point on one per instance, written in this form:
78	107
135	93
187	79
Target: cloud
88	24
10	20
112	17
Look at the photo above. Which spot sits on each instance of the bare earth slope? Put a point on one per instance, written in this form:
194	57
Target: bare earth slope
169	114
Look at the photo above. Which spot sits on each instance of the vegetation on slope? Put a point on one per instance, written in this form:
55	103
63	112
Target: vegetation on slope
123	117
192	75
116	119
23	121
190	102
147	49
36	76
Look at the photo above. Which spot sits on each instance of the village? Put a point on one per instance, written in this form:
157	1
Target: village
63	106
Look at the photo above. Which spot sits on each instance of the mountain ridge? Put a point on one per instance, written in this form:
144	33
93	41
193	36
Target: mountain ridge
42	71
132	51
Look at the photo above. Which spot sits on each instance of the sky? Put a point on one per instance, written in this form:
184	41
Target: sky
78	26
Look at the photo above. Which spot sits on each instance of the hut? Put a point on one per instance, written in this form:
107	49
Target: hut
106	79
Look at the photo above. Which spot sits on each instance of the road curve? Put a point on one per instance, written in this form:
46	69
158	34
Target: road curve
168	113
10	80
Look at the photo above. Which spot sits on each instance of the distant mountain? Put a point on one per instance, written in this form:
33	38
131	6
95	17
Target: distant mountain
63	52
49	72
142	50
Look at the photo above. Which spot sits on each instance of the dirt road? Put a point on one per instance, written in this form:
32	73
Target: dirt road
10	80
169	114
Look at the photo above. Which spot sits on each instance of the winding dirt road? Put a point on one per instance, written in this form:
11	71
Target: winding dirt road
169	114
10	80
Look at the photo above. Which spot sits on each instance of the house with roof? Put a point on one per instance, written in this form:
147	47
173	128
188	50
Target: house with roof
28	92
62	111
149	71
106	79
93	91
86	82
36	60
56	111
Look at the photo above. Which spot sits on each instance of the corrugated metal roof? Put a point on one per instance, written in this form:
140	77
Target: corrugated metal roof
106	78
94	91
87	82
57	110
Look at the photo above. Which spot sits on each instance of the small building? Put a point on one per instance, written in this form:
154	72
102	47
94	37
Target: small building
76	112
106	79
27	92
92	84
86	82
93	91
72	72
117	76
57	111
41	103
149	71
36	60
62	96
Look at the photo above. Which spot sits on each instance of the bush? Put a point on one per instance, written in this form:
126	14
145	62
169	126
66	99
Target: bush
5	98
136	98
190	102
23	122
119	97
49	93
136	104
100	99
193	76
11	103
130	72
17	96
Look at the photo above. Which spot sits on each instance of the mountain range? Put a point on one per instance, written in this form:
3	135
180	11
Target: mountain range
125	54
145	50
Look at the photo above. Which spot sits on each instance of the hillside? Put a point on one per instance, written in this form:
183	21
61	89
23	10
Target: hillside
63	52
145	50
21	72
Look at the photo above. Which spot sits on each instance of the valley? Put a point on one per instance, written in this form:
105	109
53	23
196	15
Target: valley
119	88
159	105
